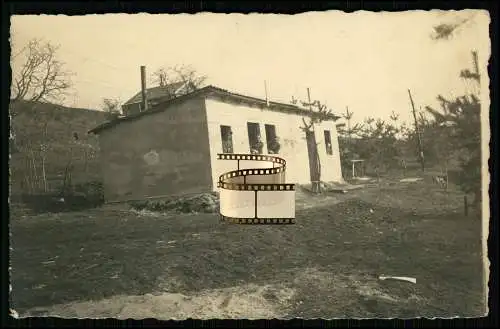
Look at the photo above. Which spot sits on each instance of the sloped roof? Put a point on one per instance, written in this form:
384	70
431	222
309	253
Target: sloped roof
156	92
224	95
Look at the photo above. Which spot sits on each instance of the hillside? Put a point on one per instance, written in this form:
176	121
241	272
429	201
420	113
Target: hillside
54	138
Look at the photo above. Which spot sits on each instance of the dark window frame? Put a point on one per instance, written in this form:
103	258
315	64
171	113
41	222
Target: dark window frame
255	138
328	142
272	139
226	136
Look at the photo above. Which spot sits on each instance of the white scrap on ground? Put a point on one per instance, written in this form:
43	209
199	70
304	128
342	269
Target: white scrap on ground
14	314
401	278
410	180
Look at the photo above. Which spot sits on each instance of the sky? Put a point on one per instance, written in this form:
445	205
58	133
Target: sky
362	60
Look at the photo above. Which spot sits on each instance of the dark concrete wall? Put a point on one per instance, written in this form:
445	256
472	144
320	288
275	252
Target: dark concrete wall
161	154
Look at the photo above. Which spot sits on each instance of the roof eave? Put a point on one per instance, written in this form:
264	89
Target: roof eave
156	108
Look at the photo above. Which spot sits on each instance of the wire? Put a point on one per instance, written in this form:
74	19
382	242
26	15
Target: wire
100	82
95	60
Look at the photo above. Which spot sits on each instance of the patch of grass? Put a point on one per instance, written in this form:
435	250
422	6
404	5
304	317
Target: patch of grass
106	252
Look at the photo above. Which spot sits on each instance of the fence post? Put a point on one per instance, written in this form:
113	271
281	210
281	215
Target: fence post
466	206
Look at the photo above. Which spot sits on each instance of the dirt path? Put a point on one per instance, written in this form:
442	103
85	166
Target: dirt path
345	295
242	302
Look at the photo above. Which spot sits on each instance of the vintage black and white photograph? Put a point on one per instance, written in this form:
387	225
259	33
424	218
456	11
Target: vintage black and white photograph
250	166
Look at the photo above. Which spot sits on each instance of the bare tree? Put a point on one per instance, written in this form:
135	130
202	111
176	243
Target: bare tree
44	148
112	108
33	144
42	76
180	73
319	112
160	77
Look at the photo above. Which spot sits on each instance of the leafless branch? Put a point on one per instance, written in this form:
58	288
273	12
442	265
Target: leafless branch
41	77
190	77
307	126
180	73
111	107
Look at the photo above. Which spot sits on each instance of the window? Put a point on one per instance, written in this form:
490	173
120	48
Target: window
273	145
226	134
328	142
254	139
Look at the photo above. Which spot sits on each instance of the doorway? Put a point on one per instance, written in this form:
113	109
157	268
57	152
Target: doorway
314	164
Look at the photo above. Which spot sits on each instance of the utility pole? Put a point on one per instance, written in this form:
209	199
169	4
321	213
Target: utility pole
309	99
477	76
267	96
144	101
476	65
419	137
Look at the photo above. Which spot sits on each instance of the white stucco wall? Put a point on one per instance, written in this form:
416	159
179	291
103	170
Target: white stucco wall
292	140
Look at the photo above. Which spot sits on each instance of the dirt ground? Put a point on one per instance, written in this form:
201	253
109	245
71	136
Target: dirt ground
115	262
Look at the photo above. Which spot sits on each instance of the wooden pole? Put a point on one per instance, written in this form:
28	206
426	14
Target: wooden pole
446	176
310	109
417	130
348	117
476	72
316	185
309	99
466	206
144	101
267	97
476	65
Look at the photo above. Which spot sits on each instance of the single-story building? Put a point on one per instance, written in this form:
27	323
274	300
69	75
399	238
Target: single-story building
171	148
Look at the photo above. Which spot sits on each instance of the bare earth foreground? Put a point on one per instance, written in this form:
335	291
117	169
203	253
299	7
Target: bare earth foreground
118	263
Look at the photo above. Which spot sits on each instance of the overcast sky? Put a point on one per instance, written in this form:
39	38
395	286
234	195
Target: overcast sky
363	60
